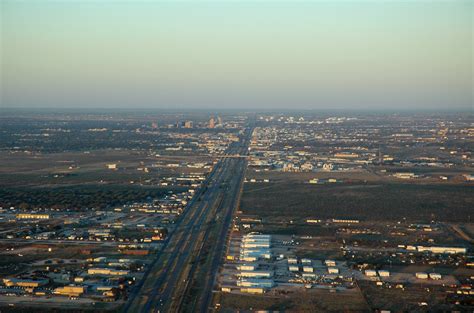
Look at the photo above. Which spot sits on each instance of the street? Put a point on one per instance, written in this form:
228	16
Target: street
182	277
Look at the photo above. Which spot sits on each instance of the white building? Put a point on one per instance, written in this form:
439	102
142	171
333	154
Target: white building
292	261
308	269
330	263
421	275
256	274
370	273
383	273
309	275
246	267
435	276
442	250
261	283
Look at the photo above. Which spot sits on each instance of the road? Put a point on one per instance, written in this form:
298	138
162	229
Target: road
63	241
182	276
461	233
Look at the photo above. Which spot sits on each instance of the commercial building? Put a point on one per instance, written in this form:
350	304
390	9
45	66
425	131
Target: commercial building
383	273
26	283
421	275
344	221
256	274
107	271
254	255
32	216
308	269
246	267
261	283
212	122
309	275
371	273
71	291
405	175
253	290
330	263
442	250
435	276
255	246
292	261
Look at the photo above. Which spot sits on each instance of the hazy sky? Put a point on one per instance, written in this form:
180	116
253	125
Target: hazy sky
250	54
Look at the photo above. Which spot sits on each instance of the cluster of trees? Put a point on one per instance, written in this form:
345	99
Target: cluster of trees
76	197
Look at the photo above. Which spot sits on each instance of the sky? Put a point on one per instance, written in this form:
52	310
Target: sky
322	55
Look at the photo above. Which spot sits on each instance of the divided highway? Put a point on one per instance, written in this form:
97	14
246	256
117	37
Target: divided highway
182	276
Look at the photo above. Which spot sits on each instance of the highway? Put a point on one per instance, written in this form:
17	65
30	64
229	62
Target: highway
182	277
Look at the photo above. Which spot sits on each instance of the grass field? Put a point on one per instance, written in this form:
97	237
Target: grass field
390	201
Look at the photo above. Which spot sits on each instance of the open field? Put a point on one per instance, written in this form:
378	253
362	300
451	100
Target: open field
393	201
373	174
71	168
304	177
301	301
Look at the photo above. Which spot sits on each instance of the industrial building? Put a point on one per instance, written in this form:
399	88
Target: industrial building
330	263
253	290
32	216
247	267
442	250
383	273
255	247
107	271
255	274
26	283
292	261
308	269
371	273
421	275
71	291
261	283
251	279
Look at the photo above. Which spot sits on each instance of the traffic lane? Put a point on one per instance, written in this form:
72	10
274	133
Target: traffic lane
209	194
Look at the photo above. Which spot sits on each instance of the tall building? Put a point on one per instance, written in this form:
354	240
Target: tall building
188	124
219	120
212	123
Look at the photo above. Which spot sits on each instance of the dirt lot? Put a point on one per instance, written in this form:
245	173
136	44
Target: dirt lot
304	301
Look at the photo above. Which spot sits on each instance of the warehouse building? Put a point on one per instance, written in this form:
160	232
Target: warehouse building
107	271
71	291
256	274
442	250
252	251
247	267
260	283
32	216
26	283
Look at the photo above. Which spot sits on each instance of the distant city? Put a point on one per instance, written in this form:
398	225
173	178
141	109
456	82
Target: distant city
215	156
224	212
